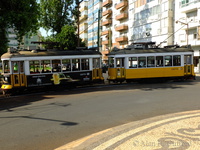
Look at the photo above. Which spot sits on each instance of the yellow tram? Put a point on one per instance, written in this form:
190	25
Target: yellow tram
145	61
28	69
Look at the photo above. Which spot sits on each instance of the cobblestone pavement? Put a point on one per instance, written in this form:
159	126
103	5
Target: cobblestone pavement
179	131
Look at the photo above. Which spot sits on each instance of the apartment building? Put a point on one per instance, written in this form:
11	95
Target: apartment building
12	38
94	7
83	26
117	24
154	21
187	26
29	38
26	41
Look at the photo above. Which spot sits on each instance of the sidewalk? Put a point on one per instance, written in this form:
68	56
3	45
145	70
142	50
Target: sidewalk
173	131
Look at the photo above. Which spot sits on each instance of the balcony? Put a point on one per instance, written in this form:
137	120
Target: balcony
189	6
106	3
121	27
105	32
106	42
107	12
122	4
106	22
84	17
122	16
121	39
84	8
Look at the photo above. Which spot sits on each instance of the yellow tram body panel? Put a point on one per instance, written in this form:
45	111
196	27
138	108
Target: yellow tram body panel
138	73
154	72
6	87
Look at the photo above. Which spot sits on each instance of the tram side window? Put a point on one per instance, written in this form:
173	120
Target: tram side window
96	63
150	61
168	60
176	60
56	65
159	61
34	66
84	64
133	62
46	66
142	62
75	64
66	65
6	67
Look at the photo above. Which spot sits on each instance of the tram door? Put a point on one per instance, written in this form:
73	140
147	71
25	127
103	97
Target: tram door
120	67
188	65
18	77
97	72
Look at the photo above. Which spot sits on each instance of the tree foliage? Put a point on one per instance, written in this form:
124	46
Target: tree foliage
21	15
55	14
67	38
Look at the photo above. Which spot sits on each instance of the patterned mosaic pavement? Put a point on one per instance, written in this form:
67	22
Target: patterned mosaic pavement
179	131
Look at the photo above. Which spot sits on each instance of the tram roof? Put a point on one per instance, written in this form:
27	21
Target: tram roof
36	53
151	50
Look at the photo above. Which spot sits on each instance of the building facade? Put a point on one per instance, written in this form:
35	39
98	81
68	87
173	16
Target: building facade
12	38
26	41
83	22
154	21
187	26
117	24
166	22
94	8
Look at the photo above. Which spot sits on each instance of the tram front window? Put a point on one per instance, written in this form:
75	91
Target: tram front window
111	62
15	67
96	63
6	67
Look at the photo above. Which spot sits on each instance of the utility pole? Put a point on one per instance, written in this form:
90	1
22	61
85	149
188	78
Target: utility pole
98	31
78	21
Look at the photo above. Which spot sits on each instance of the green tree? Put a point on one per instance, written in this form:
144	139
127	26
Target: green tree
21	15
55	14
67	38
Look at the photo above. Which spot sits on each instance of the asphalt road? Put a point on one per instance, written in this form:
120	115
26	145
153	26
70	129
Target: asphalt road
45	121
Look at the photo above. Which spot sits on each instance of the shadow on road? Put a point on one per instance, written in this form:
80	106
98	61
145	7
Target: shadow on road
7	103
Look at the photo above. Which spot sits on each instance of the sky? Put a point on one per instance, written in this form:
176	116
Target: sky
44	32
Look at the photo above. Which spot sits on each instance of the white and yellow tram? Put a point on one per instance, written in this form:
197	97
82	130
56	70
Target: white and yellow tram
145	61
28	69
